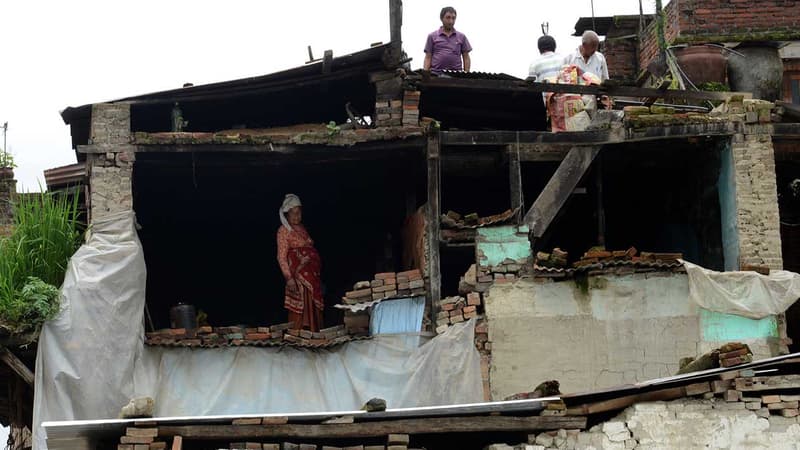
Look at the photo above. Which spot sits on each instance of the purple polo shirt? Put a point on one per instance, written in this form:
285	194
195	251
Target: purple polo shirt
446	50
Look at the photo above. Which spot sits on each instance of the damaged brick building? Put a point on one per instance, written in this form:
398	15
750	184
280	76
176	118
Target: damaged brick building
450	190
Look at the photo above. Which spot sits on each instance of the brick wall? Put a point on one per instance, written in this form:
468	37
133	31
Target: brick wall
736	17
758	221
620	50
111	163
684	423
648	47
697	21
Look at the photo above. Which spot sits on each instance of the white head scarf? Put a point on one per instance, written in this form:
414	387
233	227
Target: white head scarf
289	202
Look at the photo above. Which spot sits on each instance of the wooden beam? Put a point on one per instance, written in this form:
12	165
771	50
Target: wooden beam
429	425
506	86
396	23
16	365
613	136
559	188
433	219
515	180
327	62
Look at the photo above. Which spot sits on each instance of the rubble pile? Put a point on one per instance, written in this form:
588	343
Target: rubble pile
386	285
457	309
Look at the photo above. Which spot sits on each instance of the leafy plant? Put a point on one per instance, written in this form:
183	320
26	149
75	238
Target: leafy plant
46	232
333	129
6	160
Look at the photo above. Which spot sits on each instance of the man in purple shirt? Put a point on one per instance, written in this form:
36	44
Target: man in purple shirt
446	47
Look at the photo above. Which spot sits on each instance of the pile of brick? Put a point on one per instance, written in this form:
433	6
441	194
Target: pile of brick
233	336
411	108
484	346
393	442
141	438
453	310
736	108
386	285
455	220
600	255
388	99
734	354
765	395
506	271
556	259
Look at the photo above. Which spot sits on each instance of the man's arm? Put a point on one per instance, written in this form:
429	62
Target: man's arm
427	64
467	61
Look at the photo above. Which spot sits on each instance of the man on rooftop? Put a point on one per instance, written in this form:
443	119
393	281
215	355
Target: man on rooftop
587	58
446	48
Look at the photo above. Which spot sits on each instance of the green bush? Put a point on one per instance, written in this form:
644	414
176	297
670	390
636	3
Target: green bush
33	259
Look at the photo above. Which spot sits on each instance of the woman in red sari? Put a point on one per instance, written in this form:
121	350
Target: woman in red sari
300	264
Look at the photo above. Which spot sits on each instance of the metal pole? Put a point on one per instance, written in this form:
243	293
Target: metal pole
5	147
594	28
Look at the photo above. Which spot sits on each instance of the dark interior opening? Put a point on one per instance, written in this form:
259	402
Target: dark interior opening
657	197
472	181
320	102
208	225
787	168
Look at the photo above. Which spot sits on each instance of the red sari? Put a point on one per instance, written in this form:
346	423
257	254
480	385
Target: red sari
300	262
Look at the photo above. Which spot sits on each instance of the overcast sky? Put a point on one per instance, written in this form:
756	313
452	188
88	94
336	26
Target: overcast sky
55	54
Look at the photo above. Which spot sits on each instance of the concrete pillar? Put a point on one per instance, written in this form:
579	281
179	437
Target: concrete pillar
757	217
111	161
8	189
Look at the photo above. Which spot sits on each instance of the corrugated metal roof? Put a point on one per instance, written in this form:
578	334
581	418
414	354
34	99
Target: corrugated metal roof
65	175
607	265
480	75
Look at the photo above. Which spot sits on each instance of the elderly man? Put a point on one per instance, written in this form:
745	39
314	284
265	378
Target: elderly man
587	57
446	48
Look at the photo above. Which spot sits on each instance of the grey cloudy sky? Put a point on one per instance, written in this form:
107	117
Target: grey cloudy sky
55	54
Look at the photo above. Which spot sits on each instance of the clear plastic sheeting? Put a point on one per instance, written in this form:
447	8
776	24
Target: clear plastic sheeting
248	380
86	355
92	359
397	316
745	293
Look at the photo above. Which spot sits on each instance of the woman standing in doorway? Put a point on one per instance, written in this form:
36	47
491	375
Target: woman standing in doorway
300	264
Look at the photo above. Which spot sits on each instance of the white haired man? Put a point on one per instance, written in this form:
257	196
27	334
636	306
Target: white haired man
587	57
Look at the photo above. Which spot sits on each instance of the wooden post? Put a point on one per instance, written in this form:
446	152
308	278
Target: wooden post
396	23
16	365
559	188
177	443
433	219
515	180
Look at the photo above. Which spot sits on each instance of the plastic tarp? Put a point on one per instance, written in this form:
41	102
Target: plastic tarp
745	293
397	316
92	359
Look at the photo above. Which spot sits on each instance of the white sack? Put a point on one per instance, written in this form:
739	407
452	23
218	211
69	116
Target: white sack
745	293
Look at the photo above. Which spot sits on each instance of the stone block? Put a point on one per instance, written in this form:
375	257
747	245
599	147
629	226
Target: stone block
616	431
146	432
398	439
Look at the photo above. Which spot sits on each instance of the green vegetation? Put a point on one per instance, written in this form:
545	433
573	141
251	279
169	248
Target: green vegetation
6	160
33	259
713	86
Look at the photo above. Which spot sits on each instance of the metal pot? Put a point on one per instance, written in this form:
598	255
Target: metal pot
183	316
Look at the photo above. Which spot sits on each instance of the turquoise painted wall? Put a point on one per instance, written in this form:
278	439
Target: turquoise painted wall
726	186
494	244
729	327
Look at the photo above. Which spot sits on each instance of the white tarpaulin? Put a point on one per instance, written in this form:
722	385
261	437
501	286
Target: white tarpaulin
746	293
91	359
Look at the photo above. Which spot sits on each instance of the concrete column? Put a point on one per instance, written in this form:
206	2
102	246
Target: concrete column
8	189
111	163
757	217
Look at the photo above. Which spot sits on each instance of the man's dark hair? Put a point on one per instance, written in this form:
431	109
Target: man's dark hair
445	10
547	44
